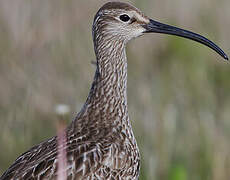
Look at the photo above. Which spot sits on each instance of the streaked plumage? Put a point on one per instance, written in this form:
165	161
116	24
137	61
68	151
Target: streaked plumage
100	142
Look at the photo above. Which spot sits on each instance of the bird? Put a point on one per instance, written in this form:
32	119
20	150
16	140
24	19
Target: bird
100	143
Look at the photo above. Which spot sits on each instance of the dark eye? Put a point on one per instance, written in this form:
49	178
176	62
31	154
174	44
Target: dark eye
124	18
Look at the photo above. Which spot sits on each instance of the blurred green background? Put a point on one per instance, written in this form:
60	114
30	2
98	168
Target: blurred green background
178	90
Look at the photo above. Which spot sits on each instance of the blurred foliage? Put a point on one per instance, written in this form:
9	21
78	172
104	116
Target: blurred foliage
179	107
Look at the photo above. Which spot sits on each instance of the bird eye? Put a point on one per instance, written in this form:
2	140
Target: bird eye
124	18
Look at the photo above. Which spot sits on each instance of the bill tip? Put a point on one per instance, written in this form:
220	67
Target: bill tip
226	57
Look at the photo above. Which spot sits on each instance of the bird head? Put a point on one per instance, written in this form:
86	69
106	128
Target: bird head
120	20
123	22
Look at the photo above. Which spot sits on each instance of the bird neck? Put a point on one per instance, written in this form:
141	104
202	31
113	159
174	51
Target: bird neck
110	81
108	94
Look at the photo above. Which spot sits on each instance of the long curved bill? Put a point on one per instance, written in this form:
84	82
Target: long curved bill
157	27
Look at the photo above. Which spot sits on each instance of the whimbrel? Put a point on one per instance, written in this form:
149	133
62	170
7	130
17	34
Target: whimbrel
100	142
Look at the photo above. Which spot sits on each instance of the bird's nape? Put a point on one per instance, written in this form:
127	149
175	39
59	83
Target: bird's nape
157	27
